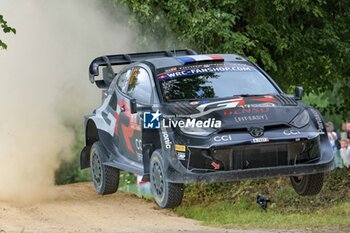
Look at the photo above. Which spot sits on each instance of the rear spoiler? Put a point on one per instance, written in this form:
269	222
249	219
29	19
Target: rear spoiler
124	59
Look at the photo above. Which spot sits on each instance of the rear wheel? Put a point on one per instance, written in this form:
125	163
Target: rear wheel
307	185
166	194
105	179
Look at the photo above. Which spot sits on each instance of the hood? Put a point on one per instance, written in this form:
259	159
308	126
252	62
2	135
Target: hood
239	112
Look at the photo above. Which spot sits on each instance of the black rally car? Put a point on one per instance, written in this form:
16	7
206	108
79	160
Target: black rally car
178	117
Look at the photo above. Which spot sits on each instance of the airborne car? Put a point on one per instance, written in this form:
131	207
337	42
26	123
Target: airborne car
178	117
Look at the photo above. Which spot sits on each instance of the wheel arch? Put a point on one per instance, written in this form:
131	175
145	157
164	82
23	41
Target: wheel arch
91	136
91	133
151	140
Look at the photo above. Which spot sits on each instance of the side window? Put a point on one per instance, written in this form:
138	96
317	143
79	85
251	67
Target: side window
122	82
140	86
113	102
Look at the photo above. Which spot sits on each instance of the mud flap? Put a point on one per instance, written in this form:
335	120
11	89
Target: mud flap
85	157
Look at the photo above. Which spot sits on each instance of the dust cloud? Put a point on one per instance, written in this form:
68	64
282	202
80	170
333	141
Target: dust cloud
44	83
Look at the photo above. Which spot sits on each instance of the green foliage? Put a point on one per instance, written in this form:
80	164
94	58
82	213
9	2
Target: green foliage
69	171
300	42
336	190
235	204
127	178
322	102
6	29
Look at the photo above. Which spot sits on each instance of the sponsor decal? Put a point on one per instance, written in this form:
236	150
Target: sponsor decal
139	156
166	139
138	144
251	118
318	120
202	70
237	111
207	108
171	69
216	166
230	106
181	155
259	140
162	76
223	138
107	117
180	148
259	105
266	98
289	132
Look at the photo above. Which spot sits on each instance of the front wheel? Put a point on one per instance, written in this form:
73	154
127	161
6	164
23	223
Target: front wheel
166	195
105	178
307	185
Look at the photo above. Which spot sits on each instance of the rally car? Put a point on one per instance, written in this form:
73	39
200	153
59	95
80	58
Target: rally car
178	117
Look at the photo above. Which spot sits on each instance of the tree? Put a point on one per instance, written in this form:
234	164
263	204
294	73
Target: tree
300	42
6	29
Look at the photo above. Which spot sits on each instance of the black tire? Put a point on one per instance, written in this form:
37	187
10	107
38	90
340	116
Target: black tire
104	178
307	185
166	195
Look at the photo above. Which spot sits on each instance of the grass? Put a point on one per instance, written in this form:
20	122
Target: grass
234	204
246	215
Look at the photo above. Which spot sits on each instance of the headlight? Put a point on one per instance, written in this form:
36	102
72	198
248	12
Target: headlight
301	120
197	131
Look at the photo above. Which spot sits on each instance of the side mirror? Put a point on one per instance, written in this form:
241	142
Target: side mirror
133	106
299	91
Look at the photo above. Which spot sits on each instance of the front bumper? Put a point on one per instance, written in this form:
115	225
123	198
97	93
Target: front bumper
256	173
178	173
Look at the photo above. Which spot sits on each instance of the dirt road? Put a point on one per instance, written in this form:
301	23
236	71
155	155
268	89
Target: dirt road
78	208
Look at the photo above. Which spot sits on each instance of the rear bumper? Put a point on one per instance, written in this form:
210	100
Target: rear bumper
176	174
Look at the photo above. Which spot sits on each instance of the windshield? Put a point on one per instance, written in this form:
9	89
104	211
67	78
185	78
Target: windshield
214	80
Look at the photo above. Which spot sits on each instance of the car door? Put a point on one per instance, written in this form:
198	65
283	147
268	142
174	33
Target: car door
111	111
129	124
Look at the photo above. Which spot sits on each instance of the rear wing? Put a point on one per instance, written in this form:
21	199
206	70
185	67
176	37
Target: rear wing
124	59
